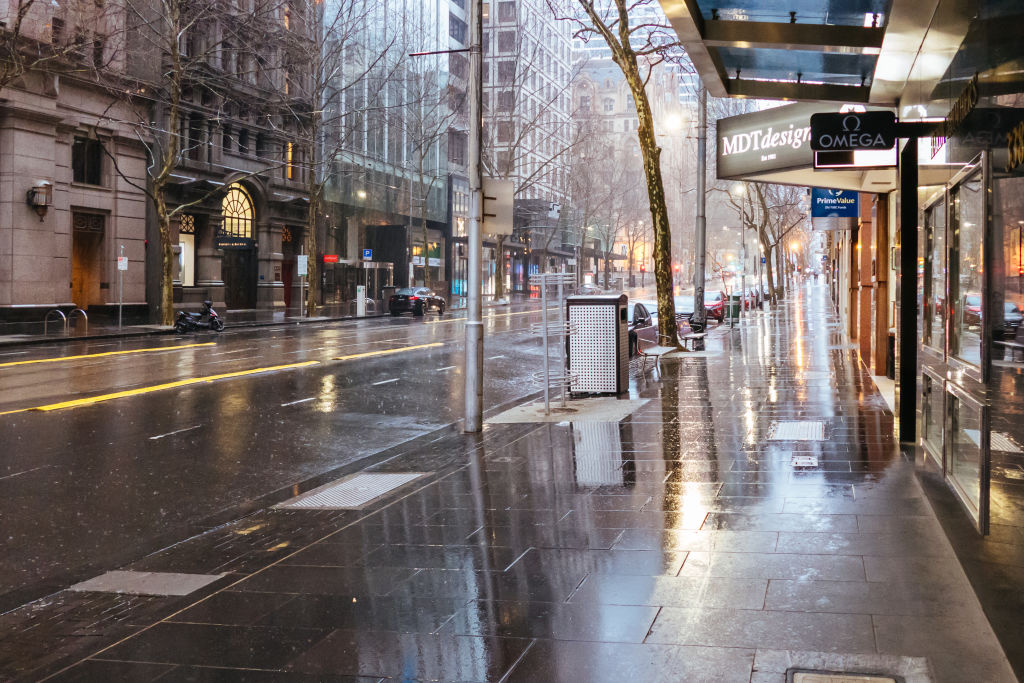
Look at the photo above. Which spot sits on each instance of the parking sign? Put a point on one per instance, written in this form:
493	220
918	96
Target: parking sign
367	254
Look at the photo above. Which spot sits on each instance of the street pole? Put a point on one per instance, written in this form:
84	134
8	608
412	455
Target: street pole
474	376
743	265
120	287
701	223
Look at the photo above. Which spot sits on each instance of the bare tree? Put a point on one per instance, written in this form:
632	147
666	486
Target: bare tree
637	48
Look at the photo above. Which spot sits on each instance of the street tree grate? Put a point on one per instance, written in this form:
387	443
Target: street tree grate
352	492
146	583
798	676
801	430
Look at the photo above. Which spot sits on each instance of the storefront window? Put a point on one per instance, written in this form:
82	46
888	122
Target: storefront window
931	408
935	276
965	278
965	452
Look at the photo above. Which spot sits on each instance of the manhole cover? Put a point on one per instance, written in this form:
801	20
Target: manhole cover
795	676
352	492
803	430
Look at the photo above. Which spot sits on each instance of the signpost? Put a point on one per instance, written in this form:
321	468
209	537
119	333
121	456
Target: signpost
302	267
122	265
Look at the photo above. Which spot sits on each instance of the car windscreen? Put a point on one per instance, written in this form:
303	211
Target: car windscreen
712	296
405	291
973	300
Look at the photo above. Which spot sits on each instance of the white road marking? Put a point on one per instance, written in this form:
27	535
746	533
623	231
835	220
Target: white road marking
224	353
301	400
319	348
176	431
493	357
14	353
450	367
387	381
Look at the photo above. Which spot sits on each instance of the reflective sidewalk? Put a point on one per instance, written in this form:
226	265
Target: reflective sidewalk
751	514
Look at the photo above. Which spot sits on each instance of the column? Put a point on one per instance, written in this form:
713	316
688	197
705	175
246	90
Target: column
269	287
208	265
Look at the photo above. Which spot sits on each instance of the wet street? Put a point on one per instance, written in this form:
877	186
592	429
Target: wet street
168	450
746	513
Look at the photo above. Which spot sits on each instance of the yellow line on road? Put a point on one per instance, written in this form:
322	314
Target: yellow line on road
105	353
386	352
159	387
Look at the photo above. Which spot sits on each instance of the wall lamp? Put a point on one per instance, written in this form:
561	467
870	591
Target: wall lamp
40	197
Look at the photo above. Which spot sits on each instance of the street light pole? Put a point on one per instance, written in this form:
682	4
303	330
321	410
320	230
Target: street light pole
474	377
701	222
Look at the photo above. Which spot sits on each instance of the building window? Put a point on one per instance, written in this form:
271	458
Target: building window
225	139
261	146
506	41
456	28
506	71
87	161
289	159
97	53
506	11
243	142
237	212
585	103
609	105
505	99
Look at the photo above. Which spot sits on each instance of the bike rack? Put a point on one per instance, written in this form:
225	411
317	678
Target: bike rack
560	329
71	316
46	320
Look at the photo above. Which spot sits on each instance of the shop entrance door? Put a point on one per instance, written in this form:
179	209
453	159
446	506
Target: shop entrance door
239	273
955	331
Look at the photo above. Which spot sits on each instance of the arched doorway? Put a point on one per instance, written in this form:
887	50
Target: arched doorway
239	264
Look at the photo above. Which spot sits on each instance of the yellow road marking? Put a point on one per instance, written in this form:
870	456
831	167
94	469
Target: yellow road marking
159	387
387	351
105	353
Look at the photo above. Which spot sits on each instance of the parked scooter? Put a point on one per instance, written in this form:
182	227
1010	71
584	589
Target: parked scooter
206	319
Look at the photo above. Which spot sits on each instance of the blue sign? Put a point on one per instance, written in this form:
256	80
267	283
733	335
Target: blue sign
764	260
834	203
367	254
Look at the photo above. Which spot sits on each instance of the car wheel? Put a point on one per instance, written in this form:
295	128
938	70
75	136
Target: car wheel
418	311
440	309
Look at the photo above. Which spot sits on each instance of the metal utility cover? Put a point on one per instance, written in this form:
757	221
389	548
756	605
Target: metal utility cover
351	492
803	430
146	583
834	677
805	461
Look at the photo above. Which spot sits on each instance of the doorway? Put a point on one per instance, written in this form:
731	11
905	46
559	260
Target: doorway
86	260
239	273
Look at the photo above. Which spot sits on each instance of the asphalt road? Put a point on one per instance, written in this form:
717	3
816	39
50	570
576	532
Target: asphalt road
112	450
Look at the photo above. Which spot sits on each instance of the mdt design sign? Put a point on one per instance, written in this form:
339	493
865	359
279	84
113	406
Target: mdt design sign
853	130
834	203
765	141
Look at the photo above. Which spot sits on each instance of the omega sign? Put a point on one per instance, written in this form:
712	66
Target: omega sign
855	130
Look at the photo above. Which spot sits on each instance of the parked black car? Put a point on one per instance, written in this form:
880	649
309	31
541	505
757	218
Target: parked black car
415	300
643	324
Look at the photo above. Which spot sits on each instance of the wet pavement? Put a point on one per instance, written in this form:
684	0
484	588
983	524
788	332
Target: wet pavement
702	538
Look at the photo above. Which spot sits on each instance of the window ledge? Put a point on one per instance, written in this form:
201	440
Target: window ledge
90	186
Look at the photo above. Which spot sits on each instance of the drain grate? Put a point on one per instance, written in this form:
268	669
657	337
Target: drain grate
799	430
146	583
795	676
351	492
805	461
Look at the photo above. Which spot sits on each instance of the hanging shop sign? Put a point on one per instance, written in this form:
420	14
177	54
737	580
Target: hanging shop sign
330	258
765	141
827	203
853	130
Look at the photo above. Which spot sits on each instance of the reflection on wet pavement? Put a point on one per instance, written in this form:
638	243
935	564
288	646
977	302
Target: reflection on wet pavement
678	544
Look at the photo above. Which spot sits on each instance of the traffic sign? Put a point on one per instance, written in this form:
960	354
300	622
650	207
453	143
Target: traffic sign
122	263
367	254
302	264
763	259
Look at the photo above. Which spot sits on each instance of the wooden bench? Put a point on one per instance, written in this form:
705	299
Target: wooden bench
688	340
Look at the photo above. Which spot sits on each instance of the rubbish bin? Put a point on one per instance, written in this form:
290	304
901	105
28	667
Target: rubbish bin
386	293
597	351
732	310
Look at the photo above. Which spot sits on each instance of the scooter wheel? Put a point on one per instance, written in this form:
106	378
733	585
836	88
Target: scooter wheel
217	324
179	328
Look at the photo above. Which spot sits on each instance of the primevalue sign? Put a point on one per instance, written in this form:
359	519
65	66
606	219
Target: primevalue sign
765	141
833	203
853	130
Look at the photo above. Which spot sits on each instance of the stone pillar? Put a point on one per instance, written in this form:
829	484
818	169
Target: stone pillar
208	261
269	287
881	290
865	254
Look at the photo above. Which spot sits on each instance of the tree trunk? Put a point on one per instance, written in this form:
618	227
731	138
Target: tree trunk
499	275
312	261
768	269
166	259
659	209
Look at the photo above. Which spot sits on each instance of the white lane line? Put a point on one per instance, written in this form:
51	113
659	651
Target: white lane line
449	367
387	381
493	357
276	329
301	400
224	353
319	348
176	431
18	474
14	353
